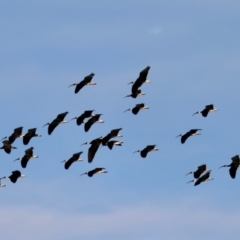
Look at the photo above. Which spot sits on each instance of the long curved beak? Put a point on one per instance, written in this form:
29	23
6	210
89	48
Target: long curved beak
188	173
73	118
46	124
72	85
16	159
222	166
84	143
190	181
127	110
131	83
195	113
83	174
136	151
179	135
4	138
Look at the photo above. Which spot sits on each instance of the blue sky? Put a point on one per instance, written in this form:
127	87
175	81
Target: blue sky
193	50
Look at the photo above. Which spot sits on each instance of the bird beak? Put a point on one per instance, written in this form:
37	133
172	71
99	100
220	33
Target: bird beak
84	143
72	85
130	83
190	181
83	174
73	118
4	138
127	110
195	113
136	151
46	124
16	159
188	173
179	135
63	161
222	166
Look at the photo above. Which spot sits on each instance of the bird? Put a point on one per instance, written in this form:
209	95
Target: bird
2	185
91	121
31	133
58	120
110	144
140	80
95	171
7	146
206	110
86	81
80	119
14	176
201	169
192	132
136	94
17	133
137	108
233	166
28	155
112	134
146	150
74	158
94	147
204	178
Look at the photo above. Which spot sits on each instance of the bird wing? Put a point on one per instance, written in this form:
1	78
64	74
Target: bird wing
144	153
24	161
80	119
135	110
92	151
184	137
110	144
205	112
233	171
80	85
89	123
52	126
60	117
140	80
68	163
106	139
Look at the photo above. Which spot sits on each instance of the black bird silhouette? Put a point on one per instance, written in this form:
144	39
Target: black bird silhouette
86	81
140	80
146	150
17	133
28	155
58	120
233	166
7	147
95	171
206	110
91	121
14	176
201	169
137	108
75	158
192	132
112	134
86	114
31	133
204	178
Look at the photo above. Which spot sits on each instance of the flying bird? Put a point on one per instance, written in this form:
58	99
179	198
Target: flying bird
112	134
14	176
137	108
86	81
146	150
201	169
80	119
17	133
75	158
93	149
58	120
136	94
31	133
140	80
28	155
206	110
91	121
204	178
192	132
7	147
95	171
233	166
110	144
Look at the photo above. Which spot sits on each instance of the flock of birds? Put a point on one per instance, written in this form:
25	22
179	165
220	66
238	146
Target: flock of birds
87	118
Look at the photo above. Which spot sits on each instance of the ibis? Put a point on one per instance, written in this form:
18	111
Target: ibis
192	132
31	133
206	110
58	120
86	81
7	147
91	121
28	155
17	133
110	144
233	166
75	158
136	94
201	169
203	178
112	134
137	108
14	176
146	150
80	119
95	171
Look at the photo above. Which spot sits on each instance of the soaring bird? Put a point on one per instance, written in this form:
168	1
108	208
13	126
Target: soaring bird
95	171
17	133
28	155
14	176
204	178
91	121
192	132
201	169
146	150
137	108
31	133
206	110
86	81
86	114
141	79
75	158
233	166
112	134
7	147
110	144
93	149
136	94
58	120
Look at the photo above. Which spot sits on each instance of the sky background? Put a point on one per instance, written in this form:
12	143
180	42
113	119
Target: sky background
193	50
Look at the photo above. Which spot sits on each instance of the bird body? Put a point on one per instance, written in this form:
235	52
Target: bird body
86	81
7	147
233	166
110	144
192	132
14	176
201	169
206	110
91	121
31	133
17	133
75	158
28	155
146	150
136	94
204	178
112	134
137	108
95	171
86	114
